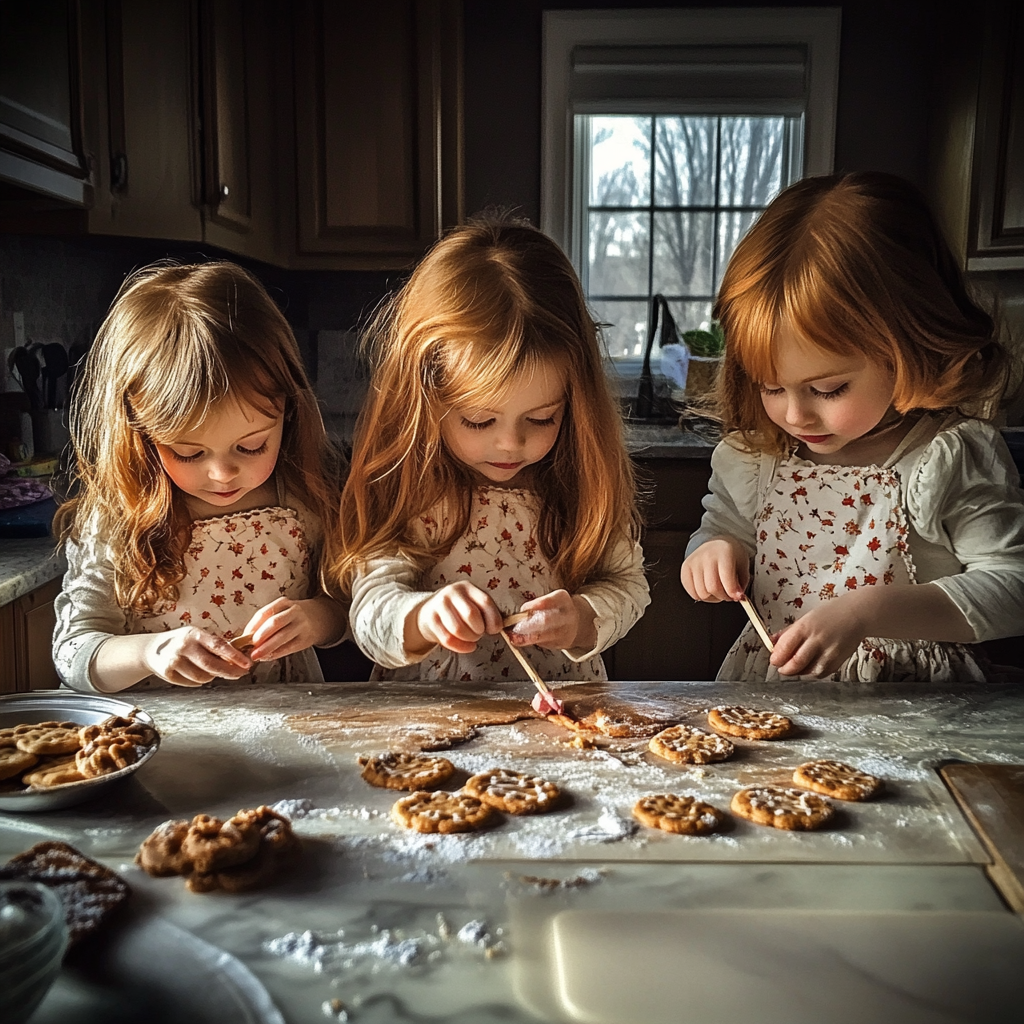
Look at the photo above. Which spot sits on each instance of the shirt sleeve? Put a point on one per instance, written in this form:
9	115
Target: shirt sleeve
964	493
382	596
731	502
86	610
618	599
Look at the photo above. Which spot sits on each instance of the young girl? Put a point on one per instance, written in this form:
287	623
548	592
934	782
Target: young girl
203	492
879	509
489	475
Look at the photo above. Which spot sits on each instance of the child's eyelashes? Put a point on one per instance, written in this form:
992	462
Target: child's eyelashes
255	451
476	425
834	393
196	456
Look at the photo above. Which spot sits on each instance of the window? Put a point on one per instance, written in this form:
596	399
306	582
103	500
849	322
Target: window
666	132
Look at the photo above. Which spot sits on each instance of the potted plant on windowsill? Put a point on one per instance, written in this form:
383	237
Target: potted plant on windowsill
706	346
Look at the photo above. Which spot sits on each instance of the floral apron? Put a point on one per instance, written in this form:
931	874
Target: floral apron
499	554
823	531
235	565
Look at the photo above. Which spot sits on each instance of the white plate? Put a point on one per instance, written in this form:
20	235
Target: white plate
67	706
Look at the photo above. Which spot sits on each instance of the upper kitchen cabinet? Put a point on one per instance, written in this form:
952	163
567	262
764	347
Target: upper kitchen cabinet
978	164
42	151
378	125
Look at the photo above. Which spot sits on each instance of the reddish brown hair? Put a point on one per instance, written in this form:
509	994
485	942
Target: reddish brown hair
855	263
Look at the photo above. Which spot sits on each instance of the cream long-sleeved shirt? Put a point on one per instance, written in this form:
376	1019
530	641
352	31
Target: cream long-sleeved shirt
965	508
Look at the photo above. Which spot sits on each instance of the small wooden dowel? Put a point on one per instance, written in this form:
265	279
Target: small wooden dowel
755	621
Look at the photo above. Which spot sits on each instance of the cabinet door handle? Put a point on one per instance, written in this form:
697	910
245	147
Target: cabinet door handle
224	191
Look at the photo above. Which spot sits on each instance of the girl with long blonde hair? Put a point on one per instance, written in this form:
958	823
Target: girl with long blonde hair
203	487
860	487
489	475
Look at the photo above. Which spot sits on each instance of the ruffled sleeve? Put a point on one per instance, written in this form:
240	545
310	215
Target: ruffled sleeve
731	502
86	610
964	494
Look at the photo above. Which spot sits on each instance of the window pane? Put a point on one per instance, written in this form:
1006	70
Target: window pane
731	228
683	251
628	326
685	161
618	253
751	169
620	161
691	316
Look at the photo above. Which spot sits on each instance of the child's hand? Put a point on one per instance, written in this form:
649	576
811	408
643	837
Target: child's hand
190	657
557	621
818	643
286	627
455	617
719	570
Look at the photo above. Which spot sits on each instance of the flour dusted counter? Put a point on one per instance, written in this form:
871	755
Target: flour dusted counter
574	915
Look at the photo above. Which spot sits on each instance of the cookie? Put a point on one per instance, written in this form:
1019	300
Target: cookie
212	845
441	811
127	730
89	892
781	807
751	725
160	853
106	754
406	771
55	772
278	845
685	745
14	761
684	815
47	737
513	791
833	778
621	724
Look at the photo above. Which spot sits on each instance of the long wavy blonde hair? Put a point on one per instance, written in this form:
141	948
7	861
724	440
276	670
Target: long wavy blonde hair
178	340
492	302
856	264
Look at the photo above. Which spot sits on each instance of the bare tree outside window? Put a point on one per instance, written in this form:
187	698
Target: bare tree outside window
669	223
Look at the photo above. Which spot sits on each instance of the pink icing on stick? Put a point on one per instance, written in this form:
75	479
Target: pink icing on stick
547	705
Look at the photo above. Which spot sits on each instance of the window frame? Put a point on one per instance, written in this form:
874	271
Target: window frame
564	177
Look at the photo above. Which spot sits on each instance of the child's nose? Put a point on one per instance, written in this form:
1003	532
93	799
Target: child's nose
224	469
798	413
511	439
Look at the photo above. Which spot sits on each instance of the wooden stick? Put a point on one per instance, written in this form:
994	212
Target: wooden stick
530	670
511	620
241	642
755	621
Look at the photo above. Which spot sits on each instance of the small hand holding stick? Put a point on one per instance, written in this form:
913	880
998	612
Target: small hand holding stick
755	621
545	703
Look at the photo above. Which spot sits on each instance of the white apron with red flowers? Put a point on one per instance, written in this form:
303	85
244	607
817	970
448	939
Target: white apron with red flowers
235	565
499	553
823	531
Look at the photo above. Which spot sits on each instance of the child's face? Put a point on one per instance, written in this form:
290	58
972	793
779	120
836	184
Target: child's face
501	441
823	399
226	457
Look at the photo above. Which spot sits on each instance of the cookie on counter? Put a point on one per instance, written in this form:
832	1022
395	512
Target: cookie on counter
683	815
443	812
406	771
836	779
512	791
782	807
749	724
684	744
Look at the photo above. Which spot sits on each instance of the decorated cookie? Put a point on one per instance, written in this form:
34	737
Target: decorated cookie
442	812
833	778
684	815
781	807
684	744
212	845
126	730
751	725
106	754
513	791
160	853
406	771
52	772
622	723
14	761
47	737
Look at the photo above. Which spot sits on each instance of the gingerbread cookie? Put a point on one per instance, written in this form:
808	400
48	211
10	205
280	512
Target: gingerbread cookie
833	778
684	744
278	845
14	761
106	754
406	771
622	724
53	772
47	737
684	815
442	812
781	807
513	791
160	853
125	730
212	845
751	725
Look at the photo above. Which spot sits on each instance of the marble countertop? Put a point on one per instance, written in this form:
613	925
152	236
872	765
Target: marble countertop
27	563
505	925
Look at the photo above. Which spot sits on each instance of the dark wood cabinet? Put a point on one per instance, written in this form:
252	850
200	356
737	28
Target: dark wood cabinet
26	637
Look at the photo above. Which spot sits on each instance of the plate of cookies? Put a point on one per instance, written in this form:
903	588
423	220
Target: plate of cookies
58	748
